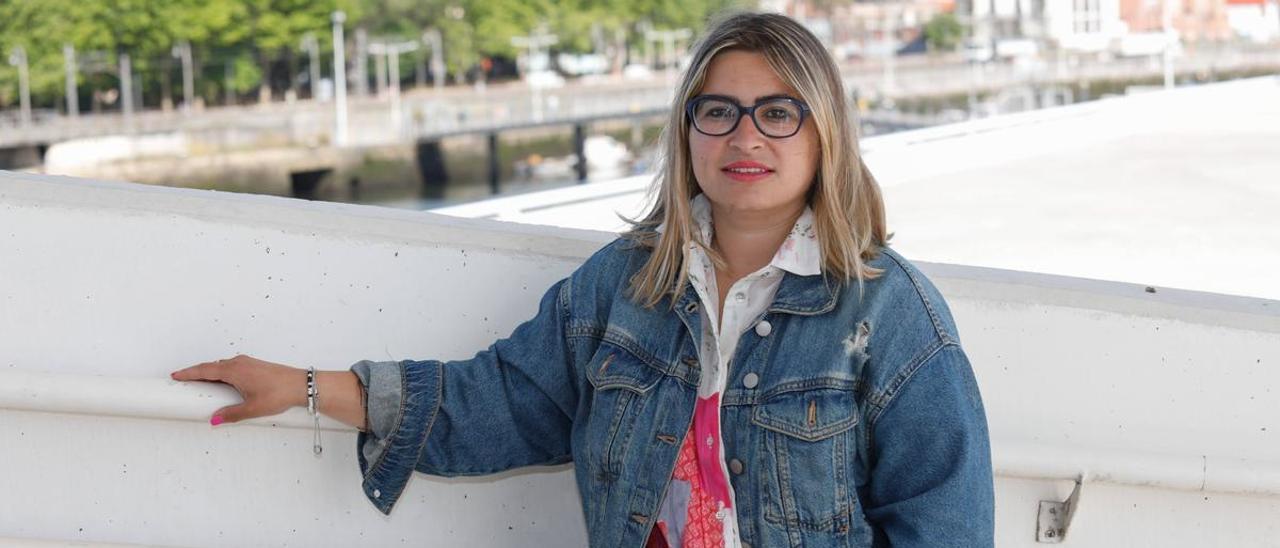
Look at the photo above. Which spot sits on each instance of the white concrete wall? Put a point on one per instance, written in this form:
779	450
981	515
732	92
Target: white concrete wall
93	151
1166	403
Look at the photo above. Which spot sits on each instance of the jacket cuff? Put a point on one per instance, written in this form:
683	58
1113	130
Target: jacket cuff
384	396
401	405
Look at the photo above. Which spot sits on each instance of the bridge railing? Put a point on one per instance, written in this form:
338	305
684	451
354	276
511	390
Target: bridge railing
429	113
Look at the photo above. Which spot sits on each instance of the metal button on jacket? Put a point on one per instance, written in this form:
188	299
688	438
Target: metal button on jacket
764	328
735	466
751	380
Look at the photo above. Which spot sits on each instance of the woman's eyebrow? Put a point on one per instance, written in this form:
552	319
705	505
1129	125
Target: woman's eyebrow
758	99
773	96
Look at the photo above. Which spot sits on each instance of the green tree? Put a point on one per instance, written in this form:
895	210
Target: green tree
276	27
246	44
943	32
101	30
31	26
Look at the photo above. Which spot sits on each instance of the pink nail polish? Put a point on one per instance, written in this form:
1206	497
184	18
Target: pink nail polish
216	420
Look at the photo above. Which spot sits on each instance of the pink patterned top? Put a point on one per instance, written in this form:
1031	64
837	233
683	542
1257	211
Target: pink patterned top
698	511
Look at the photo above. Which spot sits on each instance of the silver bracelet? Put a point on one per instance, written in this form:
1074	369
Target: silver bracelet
313	406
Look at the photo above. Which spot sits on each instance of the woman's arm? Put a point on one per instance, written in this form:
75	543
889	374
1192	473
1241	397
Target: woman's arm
342	398
931	477
271	388
508	406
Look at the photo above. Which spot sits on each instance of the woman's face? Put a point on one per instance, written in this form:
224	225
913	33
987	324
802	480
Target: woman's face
746	171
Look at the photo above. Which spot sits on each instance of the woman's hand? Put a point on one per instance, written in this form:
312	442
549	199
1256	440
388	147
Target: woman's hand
267	388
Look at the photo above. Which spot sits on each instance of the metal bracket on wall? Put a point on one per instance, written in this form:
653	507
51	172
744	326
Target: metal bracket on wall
1055	517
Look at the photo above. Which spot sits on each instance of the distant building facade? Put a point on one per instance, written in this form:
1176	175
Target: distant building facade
1123	27
1257	21
1193	20
1080	25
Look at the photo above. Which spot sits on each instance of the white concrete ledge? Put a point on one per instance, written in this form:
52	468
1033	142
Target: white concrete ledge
1195	307
1154	398
315	218
133	398
100	395
1217	474
9	542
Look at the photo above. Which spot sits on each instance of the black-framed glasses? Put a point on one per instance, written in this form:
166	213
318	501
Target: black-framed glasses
716	115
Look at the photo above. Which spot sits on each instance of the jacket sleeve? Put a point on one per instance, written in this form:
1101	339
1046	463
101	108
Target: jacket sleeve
509	406
931	479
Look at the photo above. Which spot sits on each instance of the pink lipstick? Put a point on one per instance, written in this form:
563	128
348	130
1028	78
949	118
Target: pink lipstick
746	171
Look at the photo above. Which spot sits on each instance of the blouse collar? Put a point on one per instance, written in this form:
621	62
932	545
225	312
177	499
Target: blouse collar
799	254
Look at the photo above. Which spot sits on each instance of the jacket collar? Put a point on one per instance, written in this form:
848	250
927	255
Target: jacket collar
800	295
804	289
805	295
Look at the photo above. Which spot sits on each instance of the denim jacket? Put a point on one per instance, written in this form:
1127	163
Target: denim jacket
856	419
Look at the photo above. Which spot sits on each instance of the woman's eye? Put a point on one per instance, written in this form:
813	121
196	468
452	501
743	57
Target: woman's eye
778	114
717	112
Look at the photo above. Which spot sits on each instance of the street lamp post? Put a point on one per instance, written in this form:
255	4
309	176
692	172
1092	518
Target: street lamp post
361	67
126	88
312	46
379	70
228	82
391	52
339	81
431	37
18	58
669	56
69	63
182	50
646	29
533	45
1166	20
890	47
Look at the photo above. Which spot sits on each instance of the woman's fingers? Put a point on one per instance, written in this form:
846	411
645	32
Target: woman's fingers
267	388
231	414
208	371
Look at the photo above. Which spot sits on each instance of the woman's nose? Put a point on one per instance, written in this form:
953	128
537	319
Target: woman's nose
746	136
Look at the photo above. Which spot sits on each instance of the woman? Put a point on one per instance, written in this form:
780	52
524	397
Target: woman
748	366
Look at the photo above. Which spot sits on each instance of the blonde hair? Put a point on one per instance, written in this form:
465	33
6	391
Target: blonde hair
848	209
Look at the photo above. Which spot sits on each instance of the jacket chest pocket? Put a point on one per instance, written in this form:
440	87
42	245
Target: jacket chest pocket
809	449
622	384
